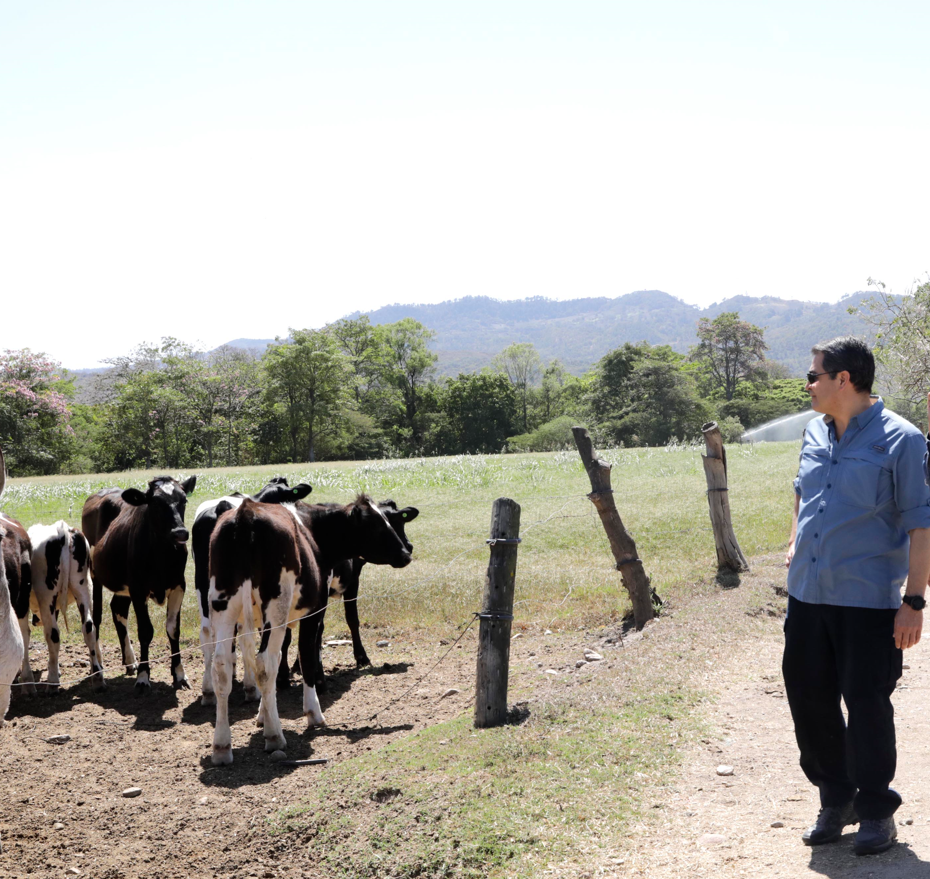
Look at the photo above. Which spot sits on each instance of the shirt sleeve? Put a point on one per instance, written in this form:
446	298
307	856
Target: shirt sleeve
912	493
797	478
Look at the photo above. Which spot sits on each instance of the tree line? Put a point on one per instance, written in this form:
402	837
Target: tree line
352	390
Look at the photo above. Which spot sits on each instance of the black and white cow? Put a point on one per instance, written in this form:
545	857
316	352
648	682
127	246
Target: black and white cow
139	546
16	558
277	491
11	636
264	572
342	578
60	575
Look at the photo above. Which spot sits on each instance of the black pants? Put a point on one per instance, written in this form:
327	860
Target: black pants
830	652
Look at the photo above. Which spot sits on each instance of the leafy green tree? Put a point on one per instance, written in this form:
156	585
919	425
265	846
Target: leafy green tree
309	381
480	408
405	372
731	350
35	401
521	364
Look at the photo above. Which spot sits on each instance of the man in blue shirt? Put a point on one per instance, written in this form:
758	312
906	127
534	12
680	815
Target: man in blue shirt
861	530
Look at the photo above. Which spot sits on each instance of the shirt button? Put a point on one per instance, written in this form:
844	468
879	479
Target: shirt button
835	462
816	535
813	560
829	485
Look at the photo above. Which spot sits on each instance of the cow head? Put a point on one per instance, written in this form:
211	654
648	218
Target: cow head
279	492
165	501
398	518
377	541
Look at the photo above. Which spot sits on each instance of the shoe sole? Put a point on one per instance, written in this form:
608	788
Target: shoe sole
875	849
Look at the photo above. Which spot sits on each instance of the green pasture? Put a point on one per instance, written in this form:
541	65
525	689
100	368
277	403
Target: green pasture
563	787
565	574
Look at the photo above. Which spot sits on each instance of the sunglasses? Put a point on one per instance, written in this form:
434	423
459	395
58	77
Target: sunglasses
813	376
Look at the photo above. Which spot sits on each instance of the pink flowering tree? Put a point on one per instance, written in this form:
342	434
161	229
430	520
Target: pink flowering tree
35	400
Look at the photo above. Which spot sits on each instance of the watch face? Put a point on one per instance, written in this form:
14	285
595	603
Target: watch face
917	602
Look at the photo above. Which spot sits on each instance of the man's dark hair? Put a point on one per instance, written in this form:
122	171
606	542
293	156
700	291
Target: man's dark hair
852	355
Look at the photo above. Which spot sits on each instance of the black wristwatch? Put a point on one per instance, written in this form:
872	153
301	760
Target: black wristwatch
915	601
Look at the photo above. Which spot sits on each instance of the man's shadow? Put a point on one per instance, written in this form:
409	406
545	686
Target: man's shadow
838	861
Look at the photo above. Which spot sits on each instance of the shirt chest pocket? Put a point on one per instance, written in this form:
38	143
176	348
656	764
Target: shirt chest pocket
812	471
864	480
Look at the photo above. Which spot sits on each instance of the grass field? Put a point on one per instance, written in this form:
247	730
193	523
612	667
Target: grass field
562	786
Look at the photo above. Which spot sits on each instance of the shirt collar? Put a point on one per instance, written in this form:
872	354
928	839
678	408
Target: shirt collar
861	420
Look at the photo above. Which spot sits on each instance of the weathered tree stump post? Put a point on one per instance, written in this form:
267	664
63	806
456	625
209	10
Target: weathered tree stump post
497	615
622	545
729	555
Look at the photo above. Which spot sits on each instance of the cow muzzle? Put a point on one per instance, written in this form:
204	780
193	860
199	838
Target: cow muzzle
180	535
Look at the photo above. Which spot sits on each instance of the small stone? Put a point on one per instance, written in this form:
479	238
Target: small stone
203	801
518	635
278	756
907	822
592	656
58	740
452	691
548	632
581	663
132	792
58	826
723	769
341	643
778	824
712	839
383	644
74	871
551	671
905	665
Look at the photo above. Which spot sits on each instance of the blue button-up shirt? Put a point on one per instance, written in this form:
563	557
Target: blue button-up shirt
859	498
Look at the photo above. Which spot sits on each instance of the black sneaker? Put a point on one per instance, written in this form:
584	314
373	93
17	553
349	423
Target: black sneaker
875	836
829	824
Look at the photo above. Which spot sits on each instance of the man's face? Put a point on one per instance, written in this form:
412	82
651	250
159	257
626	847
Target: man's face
823	389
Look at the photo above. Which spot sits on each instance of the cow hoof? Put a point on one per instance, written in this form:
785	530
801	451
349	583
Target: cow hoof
208	699
222	755
143	688
275	743
362	661
182	684
51	689
100	686
132	669
313	723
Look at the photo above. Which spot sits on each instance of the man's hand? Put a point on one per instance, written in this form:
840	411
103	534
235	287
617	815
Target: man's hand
790	554
907	626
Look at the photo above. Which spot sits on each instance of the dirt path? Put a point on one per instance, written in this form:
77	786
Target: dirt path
754	735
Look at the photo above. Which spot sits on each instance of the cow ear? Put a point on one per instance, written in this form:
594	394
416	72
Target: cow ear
408	514
188	484
134	497
298	492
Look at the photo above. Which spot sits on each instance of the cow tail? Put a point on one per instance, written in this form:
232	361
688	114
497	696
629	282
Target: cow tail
64	575
246	562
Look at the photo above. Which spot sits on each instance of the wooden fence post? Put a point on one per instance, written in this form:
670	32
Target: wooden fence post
497	615
729	555
622	545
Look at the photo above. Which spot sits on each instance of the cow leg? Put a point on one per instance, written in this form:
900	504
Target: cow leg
319	679
223	624
350	606
119	608
308	641
173	628
48	614
266	668
82	598
207	645
283	681
26	678
146	633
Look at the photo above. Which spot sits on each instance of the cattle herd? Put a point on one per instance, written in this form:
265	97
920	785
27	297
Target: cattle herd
263	565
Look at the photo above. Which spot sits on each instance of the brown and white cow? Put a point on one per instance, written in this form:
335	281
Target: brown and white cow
264	571
277	491
60	575
16	558
11	637
139	546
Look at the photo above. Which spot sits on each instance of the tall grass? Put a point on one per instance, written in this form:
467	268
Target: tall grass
565	574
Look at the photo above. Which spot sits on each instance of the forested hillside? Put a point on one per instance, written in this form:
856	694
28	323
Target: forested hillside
578	332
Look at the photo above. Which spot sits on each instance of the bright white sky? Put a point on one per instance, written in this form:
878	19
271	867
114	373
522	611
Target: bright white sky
213	170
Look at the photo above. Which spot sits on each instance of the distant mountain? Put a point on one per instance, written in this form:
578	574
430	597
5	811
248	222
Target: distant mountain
470	331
